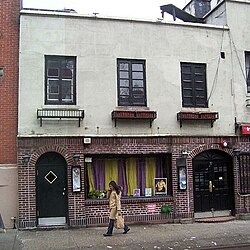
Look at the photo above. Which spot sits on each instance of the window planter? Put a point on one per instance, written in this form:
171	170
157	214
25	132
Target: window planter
198	116
133	114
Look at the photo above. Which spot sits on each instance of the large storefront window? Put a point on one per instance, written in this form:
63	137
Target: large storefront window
138	176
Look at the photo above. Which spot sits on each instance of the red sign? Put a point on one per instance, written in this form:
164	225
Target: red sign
151	208
245	129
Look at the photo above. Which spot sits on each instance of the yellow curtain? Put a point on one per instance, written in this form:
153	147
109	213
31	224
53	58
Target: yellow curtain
150	172
90	176
131	175
111	171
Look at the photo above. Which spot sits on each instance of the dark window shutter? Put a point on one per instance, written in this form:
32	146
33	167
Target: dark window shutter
193	79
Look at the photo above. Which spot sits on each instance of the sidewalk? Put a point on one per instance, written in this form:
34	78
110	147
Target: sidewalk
156	236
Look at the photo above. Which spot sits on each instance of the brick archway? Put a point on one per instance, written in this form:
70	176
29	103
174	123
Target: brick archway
189	196
53	148
206	147
220	161
27	184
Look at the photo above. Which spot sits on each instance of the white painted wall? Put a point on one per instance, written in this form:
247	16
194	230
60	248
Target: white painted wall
239	23
218	16
8	193
97	43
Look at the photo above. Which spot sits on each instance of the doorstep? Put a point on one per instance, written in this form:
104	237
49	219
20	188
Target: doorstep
215	219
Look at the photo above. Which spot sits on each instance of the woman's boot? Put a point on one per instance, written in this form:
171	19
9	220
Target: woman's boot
126	229
110	228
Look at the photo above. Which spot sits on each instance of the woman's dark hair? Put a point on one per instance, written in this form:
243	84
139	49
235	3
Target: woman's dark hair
115	186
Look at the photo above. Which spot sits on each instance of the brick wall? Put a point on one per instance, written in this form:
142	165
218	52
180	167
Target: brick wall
134	210
9	40
95	212
26	181
183	204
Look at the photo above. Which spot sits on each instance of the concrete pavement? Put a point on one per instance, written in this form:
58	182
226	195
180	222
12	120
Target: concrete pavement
156	236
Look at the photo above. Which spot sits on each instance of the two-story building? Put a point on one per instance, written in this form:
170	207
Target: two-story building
158	106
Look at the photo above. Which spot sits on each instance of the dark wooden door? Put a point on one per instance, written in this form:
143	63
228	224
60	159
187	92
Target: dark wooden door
213	182
51	183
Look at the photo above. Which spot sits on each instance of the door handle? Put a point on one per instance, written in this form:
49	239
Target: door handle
210	186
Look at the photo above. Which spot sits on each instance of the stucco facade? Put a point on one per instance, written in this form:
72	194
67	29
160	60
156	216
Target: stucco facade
97	44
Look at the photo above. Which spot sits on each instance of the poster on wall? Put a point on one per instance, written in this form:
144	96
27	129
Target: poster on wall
76	179
136	193
148	192
182	178
160	186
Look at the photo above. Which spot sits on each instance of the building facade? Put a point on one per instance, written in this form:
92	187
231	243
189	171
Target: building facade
159	107
9	40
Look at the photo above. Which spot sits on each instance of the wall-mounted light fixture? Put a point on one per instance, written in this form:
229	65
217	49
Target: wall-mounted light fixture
76	158
236	152
184	154
1	72
13	219
26	158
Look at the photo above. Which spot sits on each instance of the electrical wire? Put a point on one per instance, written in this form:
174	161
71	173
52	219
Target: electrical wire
237	55
217	70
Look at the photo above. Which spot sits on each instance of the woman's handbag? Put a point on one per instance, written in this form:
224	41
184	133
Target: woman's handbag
119	222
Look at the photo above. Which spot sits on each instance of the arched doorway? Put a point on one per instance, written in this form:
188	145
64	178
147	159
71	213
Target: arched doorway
51	190
213	181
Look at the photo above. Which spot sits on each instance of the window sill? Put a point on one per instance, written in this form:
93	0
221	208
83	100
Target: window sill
130	200
131	108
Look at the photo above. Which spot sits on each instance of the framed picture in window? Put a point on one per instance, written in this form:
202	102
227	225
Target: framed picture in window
160	186
76	179
136	192
148	192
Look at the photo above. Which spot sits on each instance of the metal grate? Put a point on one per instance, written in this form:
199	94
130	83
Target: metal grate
244	172
60	114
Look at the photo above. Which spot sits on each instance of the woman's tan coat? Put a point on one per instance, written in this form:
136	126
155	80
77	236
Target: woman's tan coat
114	204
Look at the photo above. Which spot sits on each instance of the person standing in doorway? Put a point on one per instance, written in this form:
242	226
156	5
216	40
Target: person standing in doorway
114	196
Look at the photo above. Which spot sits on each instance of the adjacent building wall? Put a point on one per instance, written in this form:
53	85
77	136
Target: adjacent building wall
9	40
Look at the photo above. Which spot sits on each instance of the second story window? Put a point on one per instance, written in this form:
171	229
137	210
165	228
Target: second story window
60	75
131	82
247	63
193	83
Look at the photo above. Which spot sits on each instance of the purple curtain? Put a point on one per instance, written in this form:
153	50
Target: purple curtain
159	168
122	176
141	175
99	174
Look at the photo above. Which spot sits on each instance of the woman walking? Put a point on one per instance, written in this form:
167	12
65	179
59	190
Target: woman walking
114	196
